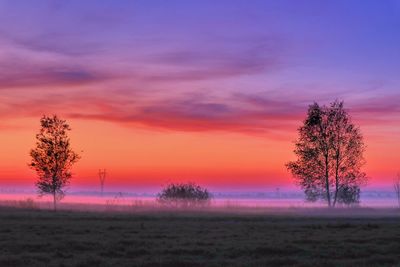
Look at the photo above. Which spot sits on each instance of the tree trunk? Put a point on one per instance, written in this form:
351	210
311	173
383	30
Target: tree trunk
336	183
336	193
328	193
338	155
398	198
54	201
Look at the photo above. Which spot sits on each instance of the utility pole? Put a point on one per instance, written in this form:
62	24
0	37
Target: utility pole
102	177
278	192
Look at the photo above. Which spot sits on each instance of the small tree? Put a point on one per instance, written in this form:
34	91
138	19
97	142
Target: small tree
329	155
185	194
397	188
52	158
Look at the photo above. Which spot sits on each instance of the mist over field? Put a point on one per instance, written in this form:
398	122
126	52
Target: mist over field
128	201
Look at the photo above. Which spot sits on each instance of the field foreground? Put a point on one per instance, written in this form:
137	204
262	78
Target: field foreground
199	238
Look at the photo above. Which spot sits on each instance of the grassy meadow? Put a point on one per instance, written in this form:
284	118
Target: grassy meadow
346	237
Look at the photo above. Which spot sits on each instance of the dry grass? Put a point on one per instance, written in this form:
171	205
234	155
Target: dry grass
196	238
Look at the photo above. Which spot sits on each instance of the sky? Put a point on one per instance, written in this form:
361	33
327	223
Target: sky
205	91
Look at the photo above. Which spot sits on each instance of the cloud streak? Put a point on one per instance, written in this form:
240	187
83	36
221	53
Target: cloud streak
262	113
58	76
162	66
261	55
245	113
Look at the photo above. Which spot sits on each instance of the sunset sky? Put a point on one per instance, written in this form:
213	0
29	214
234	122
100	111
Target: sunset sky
204	91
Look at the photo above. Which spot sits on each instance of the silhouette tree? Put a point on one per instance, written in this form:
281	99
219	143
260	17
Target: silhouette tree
329	154
52	158
185	194
396	185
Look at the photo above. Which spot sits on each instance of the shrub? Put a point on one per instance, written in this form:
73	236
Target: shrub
349	195
184	195
27	203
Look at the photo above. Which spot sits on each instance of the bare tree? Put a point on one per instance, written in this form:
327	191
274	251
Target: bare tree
329	155
102	177
52	158
397	188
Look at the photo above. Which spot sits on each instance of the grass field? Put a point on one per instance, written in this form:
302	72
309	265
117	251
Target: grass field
198	238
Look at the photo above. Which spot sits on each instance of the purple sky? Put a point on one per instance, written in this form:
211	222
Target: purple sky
247	67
